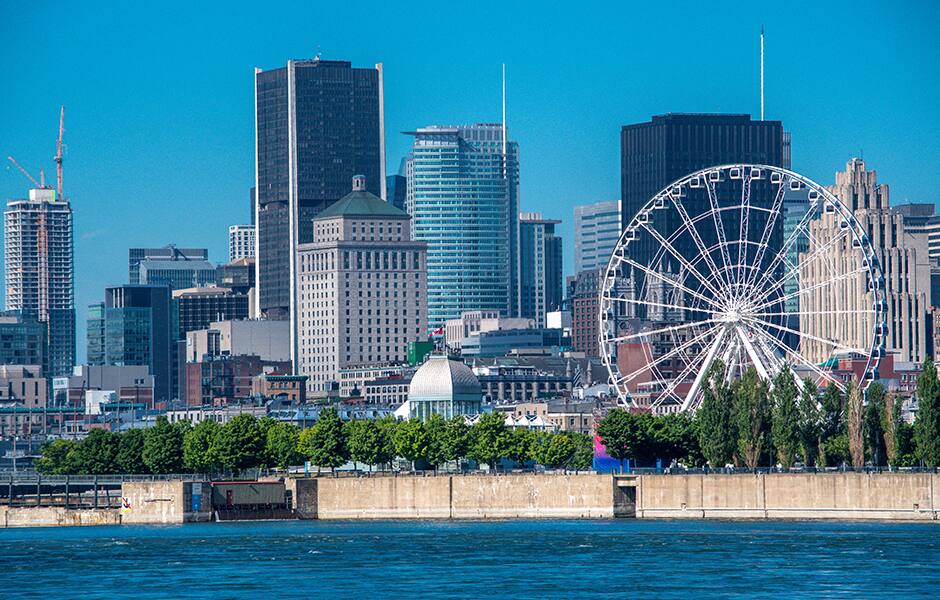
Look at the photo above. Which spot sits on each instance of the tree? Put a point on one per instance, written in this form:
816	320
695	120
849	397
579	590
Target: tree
325	443
436	432
97	453
490	439
856	426
411	440
130	452
810	422
364	441
874	423
582	459
786	418
281	445
890	418
265	424
752	412
239	445
385	453
619	432
523	444
833	413
927	423
59	457
558	451
670	437
457	440
199	447
717	437
163	448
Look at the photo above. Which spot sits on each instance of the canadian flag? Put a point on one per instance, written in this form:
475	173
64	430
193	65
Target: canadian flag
438	331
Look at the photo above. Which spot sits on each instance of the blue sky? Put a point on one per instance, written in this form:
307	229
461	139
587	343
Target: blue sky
158	96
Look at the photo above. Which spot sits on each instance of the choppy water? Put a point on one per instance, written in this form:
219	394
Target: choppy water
508	559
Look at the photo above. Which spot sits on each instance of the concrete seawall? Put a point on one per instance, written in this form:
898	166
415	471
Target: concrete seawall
883	496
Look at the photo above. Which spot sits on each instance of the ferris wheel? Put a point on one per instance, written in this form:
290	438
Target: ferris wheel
751	265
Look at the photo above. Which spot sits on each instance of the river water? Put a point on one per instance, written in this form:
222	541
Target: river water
470	559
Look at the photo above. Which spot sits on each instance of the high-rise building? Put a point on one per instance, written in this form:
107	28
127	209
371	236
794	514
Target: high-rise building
239	276
362	288
139	328
22	340
396	186
167	253
670	146
241	242
176	274
596	231
904	261
317	123
196	308
39	271
463	197
540	266
922	219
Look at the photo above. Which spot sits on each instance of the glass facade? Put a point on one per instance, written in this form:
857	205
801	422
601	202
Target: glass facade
318	123
463	199
540	268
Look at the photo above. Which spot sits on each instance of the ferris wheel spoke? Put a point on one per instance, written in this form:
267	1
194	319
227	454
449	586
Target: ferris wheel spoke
776	209
719	224
693	232
662	277
655	304
708	359
791	239
633	336
816	286
800	358
803	334
670	390
811	313
743	225
682	260
699	338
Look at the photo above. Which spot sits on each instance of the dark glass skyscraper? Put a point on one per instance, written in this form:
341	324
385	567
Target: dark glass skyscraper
670	146
317	123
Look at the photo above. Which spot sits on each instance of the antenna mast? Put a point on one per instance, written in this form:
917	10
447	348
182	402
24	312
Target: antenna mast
761	72
58	154
504	115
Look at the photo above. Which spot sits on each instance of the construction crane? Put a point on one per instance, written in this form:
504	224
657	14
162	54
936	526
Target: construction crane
58	153
25	172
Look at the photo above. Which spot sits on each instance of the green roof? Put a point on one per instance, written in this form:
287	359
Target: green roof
361	204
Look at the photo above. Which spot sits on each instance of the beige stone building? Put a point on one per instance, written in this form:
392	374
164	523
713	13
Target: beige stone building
904	262
361	289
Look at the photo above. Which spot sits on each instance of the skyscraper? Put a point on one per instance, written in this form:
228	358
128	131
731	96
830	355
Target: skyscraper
596	231
362	288
540	266
138	327
241	242
166	254
317	123
39	270
463	196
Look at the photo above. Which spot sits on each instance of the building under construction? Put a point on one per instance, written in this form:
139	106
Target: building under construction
39	265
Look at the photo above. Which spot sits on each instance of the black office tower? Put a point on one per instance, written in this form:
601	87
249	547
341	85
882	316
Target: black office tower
317	124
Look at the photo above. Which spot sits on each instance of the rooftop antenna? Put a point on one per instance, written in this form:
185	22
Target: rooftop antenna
761	72
504	117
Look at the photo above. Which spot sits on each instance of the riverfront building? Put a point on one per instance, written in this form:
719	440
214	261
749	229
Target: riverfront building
361	288
38	271
596	231
317	123
445	387
463	196
540	267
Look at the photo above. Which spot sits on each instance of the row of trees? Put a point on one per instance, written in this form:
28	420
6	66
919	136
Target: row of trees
246	442
749	422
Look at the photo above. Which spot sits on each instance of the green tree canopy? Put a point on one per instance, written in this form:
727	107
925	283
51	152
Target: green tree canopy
199	450
717	436
163	448
281	442
491	440
752	416
524	441
927	422
619	432
364	440
411	440
59	457
582	458
130	452
436	432
558	452
97	453
386	451
786	418
810	422
238	444
874	423
325	443
457	440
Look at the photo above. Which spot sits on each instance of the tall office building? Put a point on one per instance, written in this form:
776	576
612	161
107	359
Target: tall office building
166	254
540	266
136	325
317	123
22	340
596	231
396	186
905	262
463	197
196	308
38	269
670	146
241	242
362	289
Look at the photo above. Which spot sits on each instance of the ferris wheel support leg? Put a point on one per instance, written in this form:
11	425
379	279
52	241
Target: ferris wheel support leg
758	363
703	370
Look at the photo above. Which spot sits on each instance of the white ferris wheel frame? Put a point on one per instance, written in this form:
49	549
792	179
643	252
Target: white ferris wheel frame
740	329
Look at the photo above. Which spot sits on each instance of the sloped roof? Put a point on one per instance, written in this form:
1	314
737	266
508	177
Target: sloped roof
361	204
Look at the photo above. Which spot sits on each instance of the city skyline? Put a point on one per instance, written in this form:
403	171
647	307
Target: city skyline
195	157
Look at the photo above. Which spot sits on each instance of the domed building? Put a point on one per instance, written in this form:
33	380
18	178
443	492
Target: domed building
445	387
